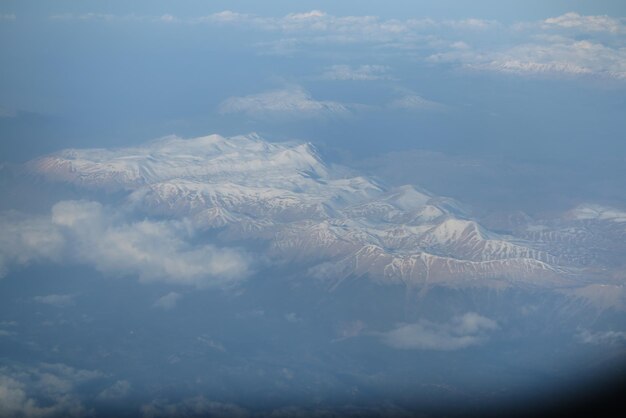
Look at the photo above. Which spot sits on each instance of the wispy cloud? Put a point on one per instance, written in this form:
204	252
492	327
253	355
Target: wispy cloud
414	102
360	73
548	47
602	337
118	390
47	390
169	301
7	16
59	301
590	211
297	103
292	102
535	55
599	23
552	57
320	21
461	332
292	317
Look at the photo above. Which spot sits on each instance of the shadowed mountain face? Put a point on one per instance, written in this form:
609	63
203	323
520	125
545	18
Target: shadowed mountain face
237	277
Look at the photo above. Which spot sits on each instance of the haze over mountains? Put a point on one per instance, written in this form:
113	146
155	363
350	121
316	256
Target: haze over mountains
257	277
296	208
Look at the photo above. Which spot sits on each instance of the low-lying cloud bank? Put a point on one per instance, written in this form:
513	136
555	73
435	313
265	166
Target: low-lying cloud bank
87	232
461	332
568	45
292	101
46	390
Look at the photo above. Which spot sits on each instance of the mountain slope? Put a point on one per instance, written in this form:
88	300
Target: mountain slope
326	217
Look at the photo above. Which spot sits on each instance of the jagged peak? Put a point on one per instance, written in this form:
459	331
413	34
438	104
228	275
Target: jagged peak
452	229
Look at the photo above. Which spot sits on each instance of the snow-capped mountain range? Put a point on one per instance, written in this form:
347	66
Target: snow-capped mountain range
339	224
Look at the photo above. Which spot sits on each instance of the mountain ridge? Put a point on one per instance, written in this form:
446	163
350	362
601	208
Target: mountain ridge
328	217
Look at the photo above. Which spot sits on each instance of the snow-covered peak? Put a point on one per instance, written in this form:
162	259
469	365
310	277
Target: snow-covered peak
453	230
245	188
245	159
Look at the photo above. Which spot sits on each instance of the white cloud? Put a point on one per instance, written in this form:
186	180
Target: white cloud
314	23
59	301
361	73
27	239
155	251
88	233
317	21
293	317
291	102
118	390
167	18
471	24
14	400
168	301
47	390
212	344
226	16
583	23
349	329
463	331
554	57
591	211
602	337
415	102
533	50
472	323
7	16
569	56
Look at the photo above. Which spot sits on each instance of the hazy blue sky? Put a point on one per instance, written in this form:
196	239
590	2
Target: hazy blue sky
532	82
507	82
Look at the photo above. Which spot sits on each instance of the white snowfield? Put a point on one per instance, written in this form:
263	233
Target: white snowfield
337	223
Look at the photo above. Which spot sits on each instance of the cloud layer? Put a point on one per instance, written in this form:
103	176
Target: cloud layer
343	72
293	101
296	103
575	21
551	56
48	390
169	301
570	44
86	232
461	332
59	301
